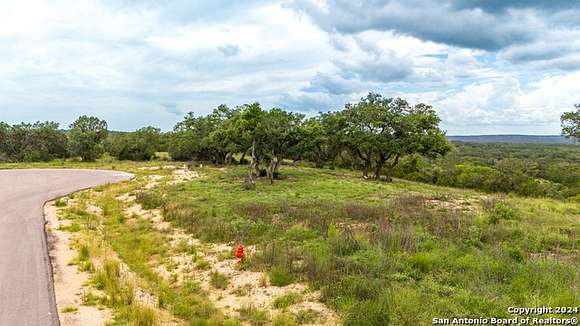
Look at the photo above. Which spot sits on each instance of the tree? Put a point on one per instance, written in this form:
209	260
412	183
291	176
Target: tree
140	145
248	127
279	134
321	139
382	130
571	123
41	141
86	137
4	146
192	138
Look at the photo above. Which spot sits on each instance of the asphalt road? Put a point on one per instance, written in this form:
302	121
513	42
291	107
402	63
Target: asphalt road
26	288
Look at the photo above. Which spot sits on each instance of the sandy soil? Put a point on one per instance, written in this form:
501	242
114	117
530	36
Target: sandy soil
68	281
179	267
182	266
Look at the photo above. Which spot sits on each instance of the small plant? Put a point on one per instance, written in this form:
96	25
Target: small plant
263	281
142	316
69	309
218	280
283	319
280	276
501	212
286	300
150	199
60	203
242	291
83	259
256	317
306	316
183	246
423	262
202	264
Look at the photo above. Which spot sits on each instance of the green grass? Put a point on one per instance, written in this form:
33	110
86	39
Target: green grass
381	253
377	250
69	310
253	315
286	300
142	248
280	276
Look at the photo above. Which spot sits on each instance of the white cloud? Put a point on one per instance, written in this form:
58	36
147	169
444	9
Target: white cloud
145	62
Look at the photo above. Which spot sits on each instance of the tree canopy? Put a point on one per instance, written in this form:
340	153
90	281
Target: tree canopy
87	136
374	133
571	123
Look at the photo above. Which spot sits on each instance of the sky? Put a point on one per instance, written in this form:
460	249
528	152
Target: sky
486	66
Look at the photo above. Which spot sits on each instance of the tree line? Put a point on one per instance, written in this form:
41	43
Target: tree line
373	135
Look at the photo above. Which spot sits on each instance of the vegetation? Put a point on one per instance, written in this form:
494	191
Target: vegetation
87	136
377	251
382	137
41	141
137	146
287	300
376	132
526	169
571	123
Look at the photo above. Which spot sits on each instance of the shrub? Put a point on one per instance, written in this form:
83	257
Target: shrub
501	212
150	199
299	232
280	276
424	262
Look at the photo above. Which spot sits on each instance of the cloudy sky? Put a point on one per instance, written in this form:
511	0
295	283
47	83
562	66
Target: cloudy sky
487	66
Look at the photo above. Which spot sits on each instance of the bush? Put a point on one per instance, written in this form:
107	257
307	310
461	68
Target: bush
501	212
424	262
150	199
280	276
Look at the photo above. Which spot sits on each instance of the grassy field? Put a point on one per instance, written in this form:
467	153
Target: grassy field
399	253
380	253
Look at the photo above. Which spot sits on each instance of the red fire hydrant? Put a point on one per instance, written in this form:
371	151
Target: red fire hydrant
240	253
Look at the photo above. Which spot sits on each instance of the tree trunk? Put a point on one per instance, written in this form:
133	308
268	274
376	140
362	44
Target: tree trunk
243	156
391	168
367	163
273	167
379	166
252	166
255	161
366	169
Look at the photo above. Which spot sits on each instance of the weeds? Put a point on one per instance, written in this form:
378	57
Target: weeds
287	300
255	316
218	280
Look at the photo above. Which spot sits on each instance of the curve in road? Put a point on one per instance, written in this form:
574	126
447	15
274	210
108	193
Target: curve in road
26	288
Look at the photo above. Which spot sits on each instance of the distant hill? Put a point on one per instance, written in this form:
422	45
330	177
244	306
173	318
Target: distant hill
514	139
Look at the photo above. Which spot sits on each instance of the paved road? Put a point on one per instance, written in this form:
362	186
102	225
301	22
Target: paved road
26	289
